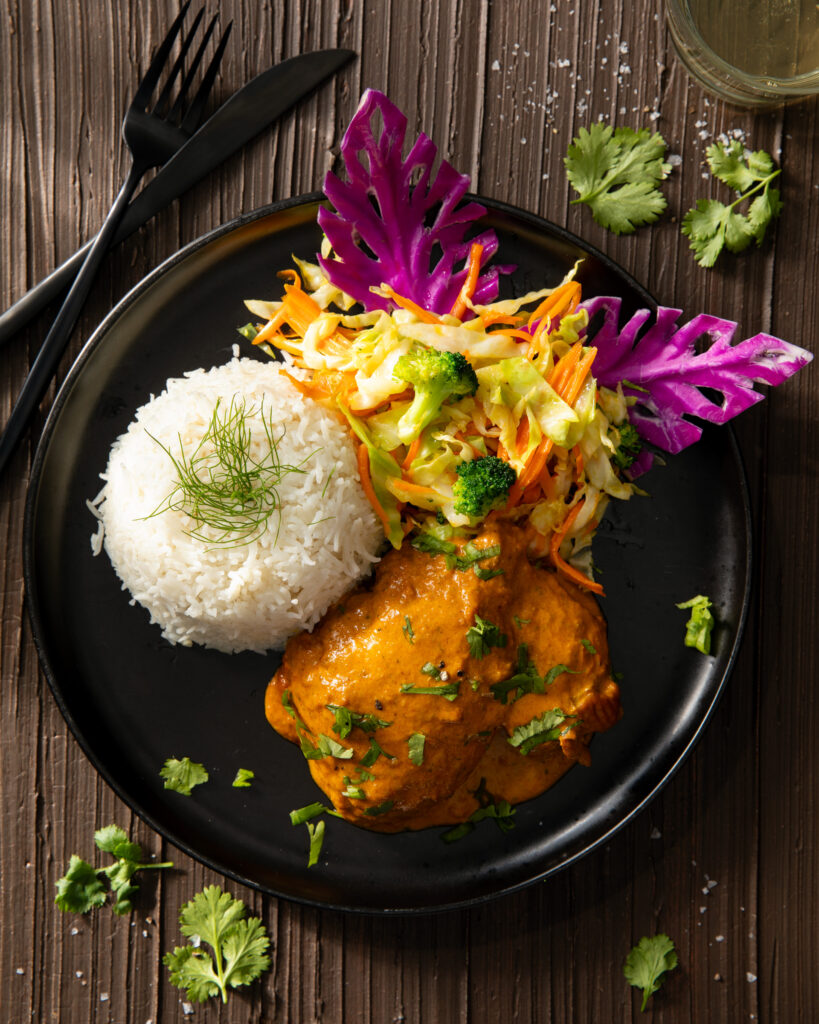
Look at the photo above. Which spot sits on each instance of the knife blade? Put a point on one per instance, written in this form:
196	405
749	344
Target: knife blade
240	118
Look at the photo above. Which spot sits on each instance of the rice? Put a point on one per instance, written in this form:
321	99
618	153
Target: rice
251	596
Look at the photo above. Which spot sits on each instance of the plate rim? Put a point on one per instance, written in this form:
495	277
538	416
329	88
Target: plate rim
40	640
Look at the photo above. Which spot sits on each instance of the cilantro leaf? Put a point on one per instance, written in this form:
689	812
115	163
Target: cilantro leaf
345	720
244	777
239	945
712	226
182	775
407	630
483	636
616	173
373	754
647	962
541	729
500	810
80	889
526	678
700	623
416	748
449	691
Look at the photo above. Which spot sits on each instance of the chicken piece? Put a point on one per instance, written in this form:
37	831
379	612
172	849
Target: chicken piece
407	696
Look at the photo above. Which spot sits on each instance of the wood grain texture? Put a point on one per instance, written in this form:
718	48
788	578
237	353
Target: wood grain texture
501	88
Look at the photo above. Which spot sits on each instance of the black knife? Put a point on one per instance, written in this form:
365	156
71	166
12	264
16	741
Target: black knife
240	118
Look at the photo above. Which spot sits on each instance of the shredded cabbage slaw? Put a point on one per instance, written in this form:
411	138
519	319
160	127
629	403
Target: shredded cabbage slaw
537	406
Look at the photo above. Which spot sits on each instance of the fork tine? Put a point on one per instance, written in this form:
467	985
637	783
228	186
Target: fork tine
165	95
149	80
194	114
176	109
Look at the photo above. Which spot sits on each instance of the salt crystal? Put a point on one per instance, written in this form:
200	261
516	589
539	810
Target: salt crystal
750	978
21	970
187	1009
675	160
720	938
656	834
77	974
496	65
703	909
564	62
624	69
104	997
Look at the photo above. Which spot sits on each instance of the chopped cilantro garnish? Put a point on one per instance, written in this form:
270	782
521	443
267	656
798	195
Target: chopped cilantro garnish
345	720
501	811
470	557
431	670
316	833
520	622
302	814
449	691
700	623
541	729
181	775
380	809
589	646
483	636
354	793
373	754
416	748
244	777
407	630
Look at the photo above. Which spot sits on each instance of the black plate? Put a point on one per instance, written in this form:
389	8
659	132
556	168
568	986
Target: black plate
133	700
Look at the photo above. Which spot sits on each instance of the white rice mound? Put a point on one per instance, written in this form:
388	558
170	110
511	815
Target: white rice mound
254	596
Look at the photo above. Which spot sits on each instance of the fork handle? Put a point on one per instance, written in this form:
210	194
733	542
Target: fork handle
57	338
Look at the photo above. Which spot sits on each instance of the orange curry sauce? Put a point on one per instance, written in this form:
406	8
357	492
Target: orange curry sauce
415	614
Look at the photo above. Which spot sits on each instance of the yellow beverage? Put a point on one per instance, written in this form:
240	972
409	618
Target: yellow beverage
749	51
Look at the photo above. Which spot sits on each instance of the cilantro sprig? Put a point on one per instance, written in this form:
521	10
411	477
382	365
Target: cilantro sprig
648	962
616	173
238	946
482	636
82	887
712	226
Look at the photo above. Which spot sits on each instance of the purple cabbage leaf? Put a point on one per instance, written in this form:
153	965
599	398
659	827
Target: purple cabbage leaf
666	375
380	229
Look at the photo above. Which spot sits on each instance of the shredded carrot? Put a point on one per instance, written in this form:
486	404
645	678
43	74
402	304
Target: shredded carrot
578	461
423	315
573	387
563	367
560	563
522	436
511	332
564	299
489	317
294	278
412	453
417	489
470	281
531	494
363	458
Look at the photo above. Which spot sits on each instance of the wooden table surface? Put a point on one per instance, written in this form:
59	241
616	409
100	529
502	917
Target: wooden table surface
501	88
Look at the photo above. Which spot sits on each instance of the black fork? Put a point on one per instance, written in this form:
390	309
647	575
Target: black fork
152	136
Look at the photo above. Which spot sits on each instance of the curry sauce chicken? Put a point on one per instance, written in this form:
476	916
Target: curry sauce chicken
448	681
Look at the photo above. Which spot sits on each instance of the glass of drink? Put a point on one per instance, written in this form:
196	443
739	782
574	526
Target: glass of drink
749	52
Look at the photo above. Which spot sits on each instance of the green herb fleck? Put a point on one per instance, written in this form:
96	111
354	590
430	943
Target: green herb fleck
316	833
303	814
589	646
483	636
431	670
345	720
501	811
700	623
520	622
407	630
541	729
354	792
244	777
373	754
380	809
416	748
647	964
181	775
238	943
449	691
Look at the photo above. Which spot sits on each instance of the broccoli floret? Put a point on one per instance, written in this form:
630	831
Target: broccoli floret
629	448
435	376
482	484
